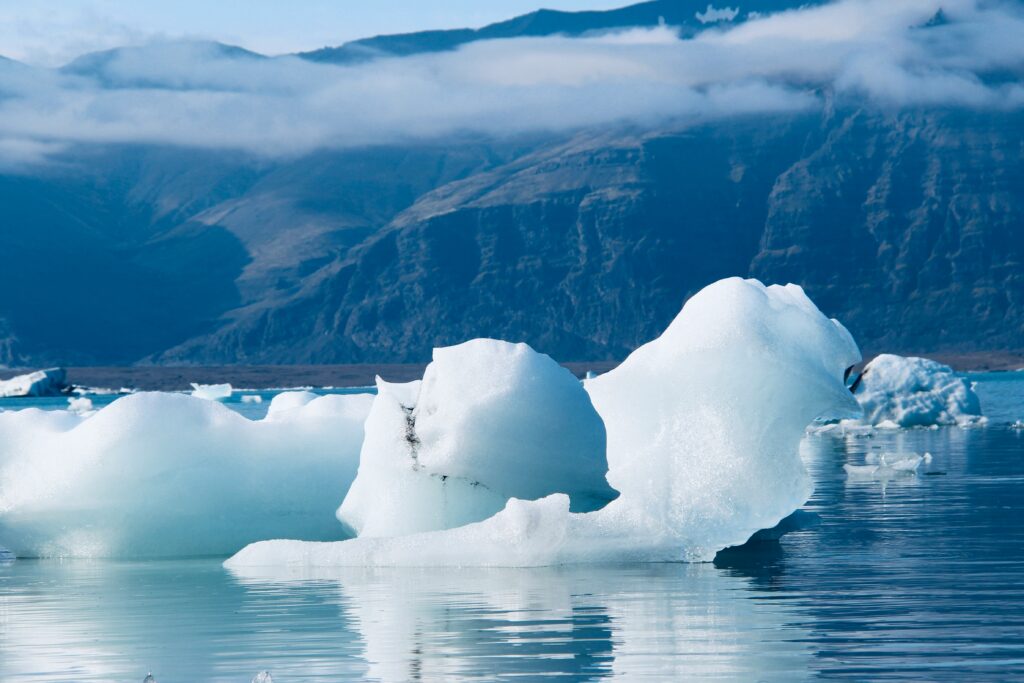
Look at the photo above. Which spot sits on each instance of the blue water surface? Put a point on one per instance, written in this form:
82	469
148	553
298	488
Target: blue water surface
914	577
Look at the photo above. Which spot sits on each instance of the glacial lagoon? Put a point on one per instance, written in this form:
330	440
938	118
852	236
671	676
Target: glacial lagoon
904	577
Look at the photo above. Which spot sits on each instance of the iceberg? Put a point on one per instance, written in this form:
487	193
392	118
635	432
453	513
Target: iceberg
897	392
287	401
50	382
489	421
169	475
80	404
703	431
887	465
212	392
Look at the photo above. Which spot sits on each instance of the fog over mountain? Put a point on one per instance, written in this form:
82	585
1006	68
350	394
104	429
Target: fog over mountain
565	179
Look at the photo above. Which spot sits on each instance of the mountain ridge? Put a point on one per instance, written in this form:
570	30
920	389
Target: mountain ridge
904	223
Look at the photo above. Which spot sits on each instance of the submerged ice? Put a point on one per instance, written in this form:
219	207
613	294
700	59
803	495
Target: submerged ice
489	421
169	475
703	429
915	392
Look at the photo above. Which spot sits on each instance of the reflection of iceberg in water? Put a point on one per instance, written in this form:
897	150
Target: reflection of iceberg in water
191	621
657	621
96	622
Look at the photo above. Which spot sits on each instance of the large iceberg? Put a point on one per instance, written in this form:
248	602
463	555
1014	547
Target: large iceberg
704	426
490	421
50	382
169	475
915	392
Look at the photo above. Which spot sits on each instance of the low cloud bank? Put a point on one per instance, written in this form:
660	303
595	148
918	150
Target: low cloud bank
962	53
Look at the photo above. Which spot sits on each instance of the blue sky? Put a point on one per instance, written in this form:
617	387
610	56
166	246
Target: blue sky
55	31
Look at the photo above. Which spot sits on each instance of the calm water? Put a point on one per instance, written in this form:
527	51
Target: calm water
920	577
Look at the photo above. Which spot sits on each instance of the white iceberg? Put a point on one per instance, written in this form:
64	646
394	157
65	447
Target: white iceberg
885	465
169	475
287	401
212	392
490	421
704	426
897	392
50	382
80	405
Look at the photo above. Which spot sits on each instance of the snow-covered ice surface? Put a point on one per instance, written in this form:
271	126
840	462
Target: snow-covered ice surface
703	424
489	421
897	392
169	475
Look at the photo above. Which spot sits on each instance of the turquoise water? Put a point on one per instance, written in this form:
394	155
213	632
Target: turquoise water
918	577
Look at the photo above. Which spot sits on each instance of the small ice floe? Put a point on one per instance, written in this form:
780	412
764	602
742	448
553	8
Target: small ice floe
898	392
287	401
887	465
252	398
101	391
263	677
212	392
854	428
1019	424
80	405
51	382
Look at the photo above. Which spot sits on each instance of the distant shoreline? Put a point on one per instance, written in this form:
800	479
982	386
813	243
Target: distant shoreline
179	378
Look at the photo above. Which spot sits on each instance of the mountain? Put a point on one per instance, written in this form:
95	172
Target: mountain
587	249
677	13
157	65
905	224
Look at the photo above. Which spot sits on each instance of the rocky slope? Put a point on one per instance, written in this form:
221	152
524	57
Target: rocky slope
907	227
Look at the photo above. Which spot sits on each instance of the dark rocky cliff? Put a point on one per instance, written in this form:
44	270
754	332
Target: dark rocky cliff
908	227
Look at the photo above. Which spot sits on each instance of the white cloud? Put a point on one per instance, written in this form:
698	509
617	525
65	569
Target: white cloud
195	95
715	14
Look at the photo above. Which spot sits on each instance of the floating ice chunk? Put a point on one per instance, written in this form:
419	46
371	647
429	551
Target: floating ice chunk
704	423
886	465
704	426
80	405
51	382
289	400
903	392
162	475
252	398
490	421
263	677
1019	424
212	392
848	427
